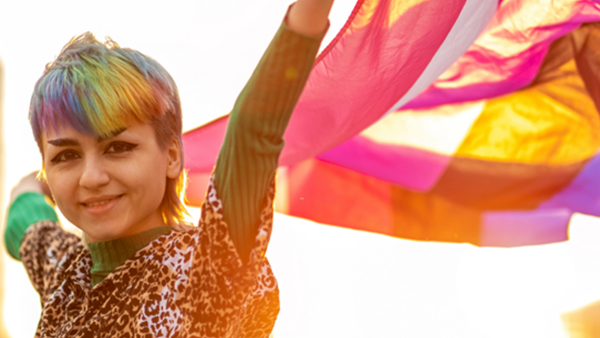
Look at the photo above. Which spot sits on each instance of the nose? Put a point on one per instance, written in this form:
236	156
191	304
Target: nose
94	174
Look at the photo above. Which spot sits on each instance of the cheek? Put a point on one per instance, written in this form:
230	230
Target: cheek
149	176
64	191
61	184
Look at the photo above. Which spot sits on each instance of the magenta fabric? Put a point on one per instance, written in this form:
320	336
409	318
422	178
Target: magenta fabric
410	167
201	146
368	67
507	56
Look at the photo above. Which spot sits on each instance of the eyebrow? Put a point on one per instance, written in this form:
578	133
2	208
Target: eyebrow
112	134
66	142
63	142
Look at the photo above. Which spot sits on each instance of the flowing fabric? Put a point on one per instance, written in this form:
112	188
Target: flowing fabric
500	147
388	52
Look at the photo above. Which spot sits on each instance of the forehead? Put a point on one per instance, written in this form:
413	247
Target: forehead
141	131
68	131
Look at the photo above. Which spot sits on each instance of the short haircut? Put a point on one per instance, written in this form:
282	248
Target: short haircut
99	88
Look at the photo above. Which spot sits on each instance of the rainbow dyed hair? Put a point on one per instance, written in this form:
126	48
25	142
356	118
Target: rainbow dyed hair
99	88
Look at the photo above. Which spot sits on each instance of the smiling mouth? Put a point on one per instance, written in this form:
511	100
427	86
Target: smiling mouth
101	203
95	204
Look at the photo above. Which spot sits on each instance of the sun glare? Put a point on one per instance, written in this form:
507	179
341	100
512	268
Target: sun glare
334	282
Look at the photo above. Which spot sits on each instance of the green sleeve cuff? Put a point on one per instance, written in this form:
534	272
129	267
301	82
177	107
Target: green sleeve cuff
26	210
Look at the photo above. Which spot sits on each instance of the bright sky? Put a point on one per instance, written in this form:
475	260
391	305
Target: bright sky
334	282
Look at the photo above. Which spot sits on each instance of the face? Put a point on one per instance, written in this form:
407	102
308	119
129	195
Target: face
109	188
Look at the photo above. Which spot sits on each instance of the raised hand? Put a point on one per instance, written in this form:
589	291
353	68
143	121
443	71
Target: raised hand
309	17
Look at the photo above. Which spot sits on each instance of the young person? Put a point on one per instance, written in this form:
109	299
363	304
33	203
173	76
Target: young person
107	121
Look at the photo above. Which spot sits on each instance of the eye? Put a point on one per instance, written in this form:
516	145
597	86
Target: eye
119	147
64	156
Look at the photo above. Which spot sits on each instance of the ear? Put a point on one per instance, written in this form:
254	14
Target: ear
173	159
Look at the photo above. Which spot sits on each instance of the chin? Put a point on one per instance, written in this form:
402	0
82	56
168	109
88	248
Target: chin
104	235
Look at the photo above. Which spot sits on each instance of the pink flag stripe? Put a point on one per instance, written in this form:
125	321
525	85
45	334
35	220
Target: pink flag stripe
201	145
369	71
508	55
364	72
410	167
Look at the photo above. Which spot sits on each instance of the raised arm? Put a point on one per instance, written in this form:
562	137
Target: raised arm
248	158
27	206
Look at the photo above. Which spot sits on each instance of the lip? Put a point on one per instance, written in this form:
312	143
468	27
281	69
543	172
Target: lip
100	209
100	198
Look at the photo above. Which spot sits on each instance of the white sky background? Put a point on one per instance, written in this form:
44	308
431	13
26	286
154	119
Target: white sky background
334	282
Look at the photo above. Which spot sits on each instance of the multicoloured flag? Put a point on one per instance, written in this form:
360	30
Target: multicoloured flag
455	121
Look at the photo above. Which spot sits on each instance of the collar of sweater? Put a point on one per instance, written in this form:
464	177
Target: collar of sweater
107	256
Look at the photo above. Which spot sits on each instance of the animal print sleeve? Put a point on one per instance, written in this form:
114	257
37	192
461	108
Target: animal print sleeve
45	247
222	251
225	287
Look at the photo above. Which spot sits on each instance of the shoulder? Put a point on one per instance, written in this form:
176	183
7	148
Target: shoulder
46	252
48	238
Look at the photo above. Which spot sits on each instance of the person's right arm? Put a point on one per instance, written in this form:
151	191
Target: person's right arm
28	205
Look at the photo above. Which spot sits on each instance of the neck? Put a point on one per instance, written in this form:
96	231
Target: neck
109	255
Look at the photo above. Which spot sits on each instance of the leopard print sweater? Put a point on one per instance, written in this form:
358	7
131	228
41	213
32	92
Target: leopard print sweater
187	283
